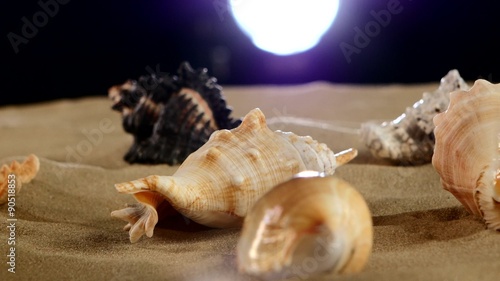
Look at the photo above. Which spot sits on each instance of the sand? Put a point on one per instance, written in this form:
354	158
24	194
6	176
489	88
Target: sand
64	230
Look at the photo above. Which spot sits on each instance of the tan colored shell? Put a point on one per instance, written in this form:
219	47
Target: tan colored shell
306	226
467	154
24	173
218	183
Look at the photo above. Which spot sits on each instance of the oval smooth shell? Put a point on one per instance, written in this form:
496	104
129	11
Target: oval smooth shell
307	224
467	154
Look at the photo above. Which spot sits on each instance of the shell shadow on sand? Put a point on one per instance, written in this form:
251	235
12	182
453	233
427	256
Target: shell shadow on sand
424	226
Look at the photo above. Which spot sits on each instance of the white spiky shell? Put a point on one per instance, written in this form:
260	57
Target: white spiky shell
217	184
467	154
409	139
307	224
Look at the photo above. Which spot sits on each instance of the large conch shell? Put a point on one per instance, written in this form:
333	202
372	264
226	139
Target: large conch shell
217	184
307	225
16	174
409	139
467	153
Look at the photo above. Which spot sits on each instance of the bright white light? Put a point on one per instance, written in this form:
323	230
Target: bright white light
284	27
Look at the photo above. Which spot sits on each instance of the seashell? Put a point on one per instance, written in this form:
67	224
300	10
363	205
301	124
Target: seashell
171	116
23	173
467	153
217	184
409	139
307	225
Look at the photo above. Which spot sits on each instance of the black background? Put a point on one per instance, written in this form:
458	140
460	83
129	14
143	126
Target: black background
88	46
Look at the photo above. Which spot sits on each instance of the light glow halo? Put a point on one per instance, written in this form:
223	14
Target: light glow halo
284	27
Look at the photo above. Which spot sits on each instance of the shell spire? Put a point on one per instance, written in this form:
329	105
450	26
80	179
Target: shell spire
217	184
467	152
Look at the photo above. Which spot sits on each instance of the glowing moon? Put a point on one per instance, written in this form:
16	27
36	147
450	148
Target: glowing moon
284	27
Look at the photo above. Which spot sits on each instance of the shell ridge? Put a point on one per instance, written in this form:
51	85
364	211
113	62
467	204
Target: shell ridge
466	151
315	156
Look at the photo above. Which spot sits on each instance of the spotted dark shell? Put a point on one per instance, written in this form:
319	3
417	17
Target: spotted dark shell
171	116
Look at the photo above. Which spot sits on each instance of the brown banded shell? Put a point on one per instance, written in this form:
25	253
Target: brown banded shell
170	116
309	224
467	153
217	184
